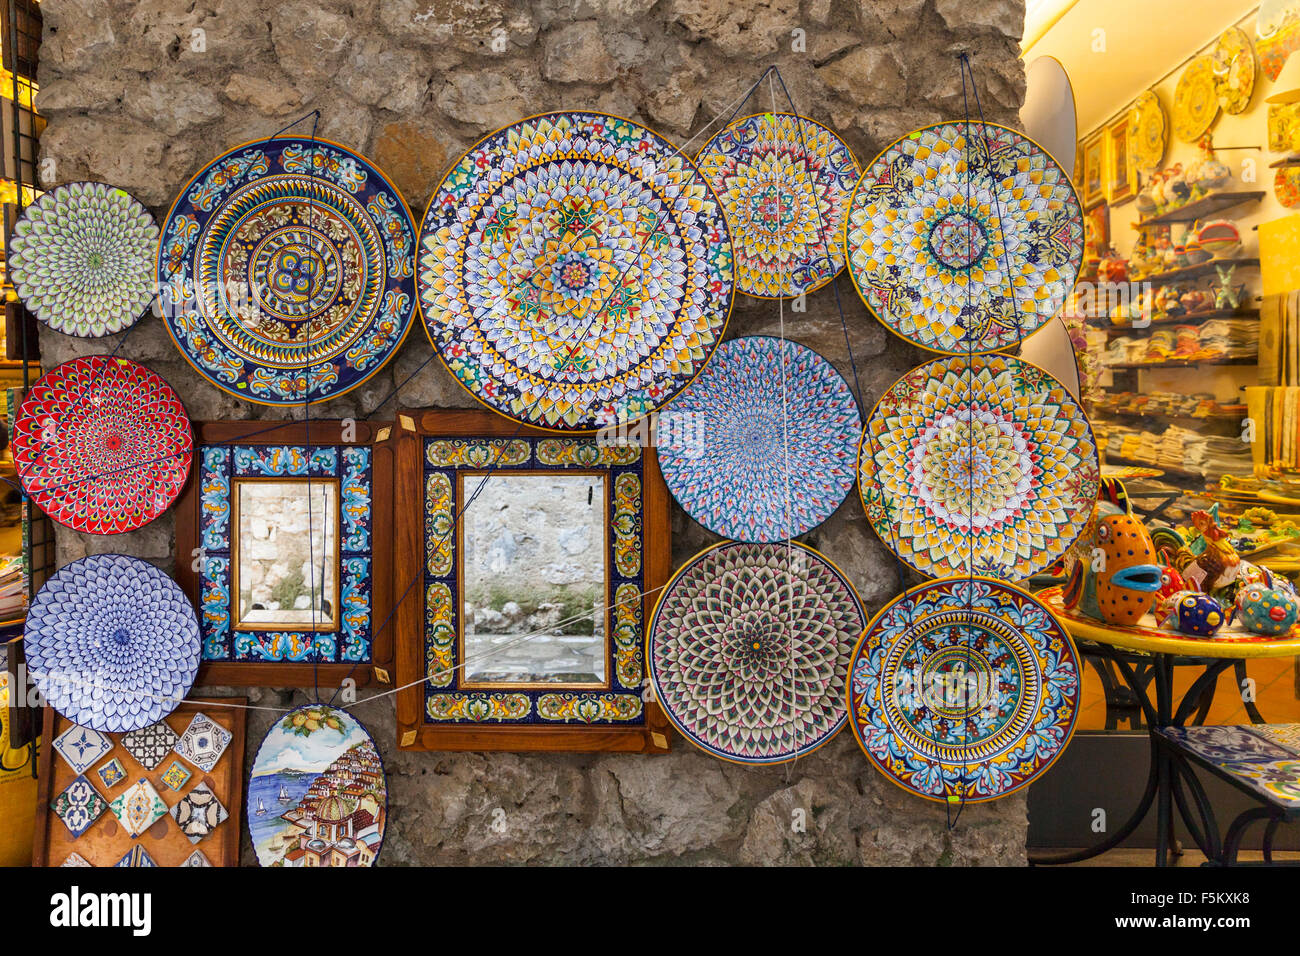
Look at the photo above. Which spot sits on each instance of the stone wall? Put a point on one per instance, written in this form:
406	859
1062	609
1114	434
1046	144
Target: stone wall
141	94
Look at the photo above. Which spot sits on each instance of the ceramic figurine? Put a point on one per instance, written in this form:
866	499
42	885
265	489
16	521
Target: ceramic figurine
1113	576
1171	582
1226	296
1267	610
1191	613
1209	562
1209	172
1220	238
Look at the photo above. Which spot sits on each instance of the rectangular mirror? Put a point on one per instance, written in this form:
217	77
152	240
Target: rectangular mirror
286	552
534	552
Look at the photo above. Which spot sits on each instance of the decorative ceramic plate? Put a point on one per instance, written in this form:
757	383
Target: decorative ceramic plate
1147	131
286	271
964	688
749	647
761	447
81	259
962	247
112	643
575	271
1196	100
983	465
1286	186
1277	34
317	794
1234	70
102	445
784	182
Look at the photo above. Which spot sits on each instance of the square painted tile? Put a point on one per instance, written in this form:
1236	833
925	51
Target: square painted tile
176	775
136	856
79	806
82	747
196	859
149	745
76	859
203	742
138	807
112	773
198	813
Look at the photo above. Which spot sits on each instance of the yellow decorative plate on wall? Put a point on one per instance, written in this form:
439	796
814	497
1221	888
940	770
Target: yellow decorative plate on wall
1234	70
1196	100
1147	131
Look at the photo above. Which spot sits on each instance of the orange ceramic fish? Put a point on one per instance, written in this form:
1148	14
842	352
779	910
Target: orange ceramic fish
1114	575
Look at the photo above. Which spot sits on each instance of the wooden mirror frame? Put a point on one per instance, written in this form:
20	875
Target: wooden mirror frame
375	436
645	733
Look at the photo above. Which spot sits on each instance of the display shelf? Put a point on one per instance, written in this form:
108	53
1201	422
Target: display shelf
1218	419
1196	271
1196	363
1186	318
1167	469
1205	206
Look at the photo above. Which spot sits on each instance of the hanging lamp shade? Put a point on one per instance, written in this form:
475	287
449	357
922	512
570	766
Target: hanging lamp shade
1286	89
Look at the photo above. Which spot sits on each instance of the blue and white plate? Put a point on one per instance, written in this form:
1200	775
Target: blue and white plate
112	643
761	447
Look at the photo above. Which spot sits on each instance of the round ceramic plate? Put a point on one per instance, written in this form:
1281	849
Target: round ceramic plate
1277	34
1147	131
81	259
749	647
1234	70
112	643
285	271
1196	100
1286	186
102	445
964	247
964	688
784	182
575	271
761	448
983	465
317	793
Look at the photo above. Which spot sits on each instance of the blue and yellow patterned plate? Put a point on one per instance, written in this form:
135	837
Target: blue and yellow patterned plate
784	182
286	271
574	271
963	688
964	243
763	445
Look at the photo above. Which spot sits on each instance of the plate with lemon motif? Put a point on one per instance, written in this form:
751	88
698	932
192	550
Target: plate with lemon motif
784	182
574	271
1196	100
964	237
982	464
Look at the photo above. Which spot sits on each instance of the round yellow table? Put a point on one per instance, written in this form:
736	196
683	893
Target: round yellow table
1148	648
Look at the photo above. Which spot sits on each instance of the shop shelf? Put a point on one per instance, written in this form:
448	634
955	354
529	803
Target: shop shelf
1205	206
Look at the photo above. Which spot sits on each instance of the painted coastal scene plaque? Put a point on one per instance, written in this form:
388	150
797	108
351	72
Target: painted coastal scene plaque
784	182
286	271
749	648
82	258
964	688
983	465
762	446
317	794
964	237
575	271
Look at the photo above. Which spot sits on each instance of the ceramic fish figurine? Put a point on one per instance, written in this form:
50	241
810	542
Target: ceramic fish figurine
1171	582
1113	576
1189	612
1267	610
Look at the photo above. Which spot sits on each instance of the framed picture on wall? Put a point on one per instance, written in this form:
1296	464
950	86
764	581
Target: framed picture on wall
1120	170
535	560
1093	188
284	544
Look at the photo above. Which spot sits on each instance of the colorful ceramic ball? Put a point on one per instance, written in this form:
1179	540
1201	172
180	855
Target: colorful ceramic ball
1190	612
1267	610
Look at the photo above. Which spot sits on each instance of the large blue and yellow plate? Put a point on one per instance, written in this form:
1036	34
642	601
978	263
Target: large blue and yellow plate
574	271
286	271
964	689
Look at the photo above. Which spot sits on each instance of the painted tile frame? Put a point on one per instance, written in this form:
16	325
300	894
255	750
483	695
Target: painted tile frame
358	455
439	714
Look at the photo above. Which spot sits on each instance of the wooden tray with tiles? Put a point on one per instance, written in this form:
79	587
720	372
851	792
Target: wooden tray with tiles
106	840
